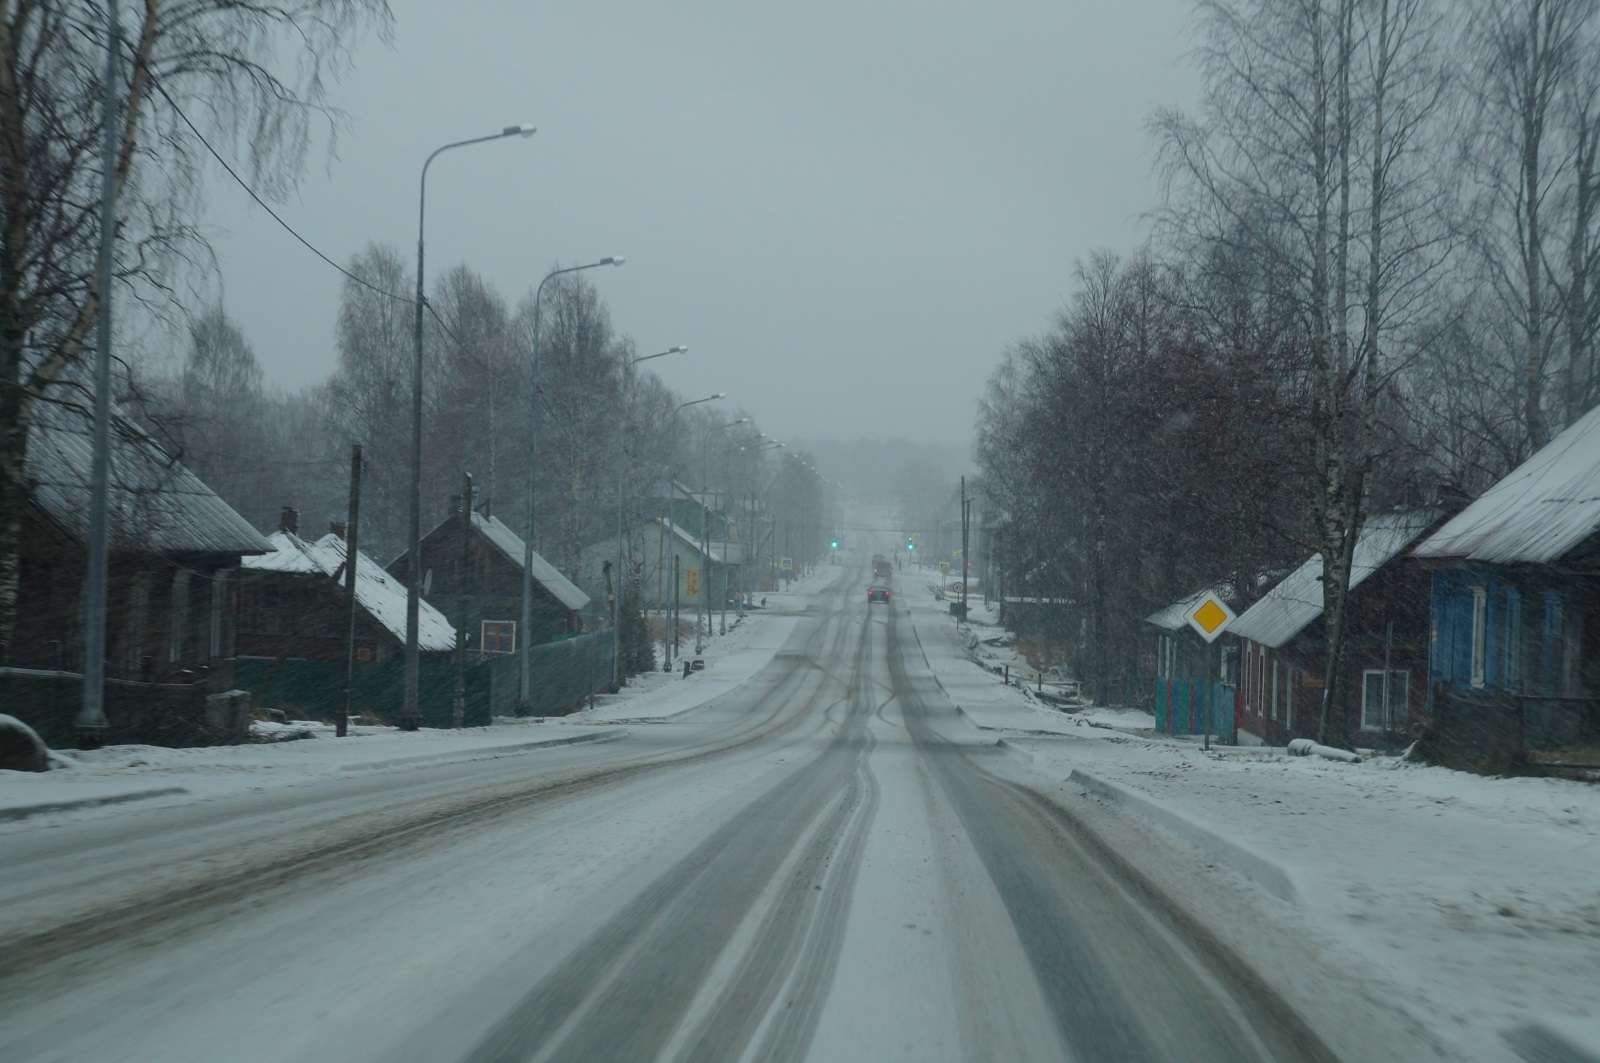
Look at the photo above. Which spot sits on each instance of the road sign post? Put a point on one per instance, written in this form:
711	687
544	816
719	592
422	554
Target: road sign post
1209	617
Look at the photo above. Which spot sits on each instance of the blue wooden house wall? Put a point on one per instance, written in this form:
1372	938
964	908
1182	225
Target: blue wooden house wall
1513	599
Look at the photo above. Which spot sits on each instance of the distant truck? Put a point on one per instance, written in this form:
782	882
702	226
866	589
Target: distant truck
882	566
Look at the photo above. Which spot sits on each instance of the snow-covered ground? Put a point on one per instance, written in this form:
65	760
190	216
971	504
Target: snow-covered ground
1472	902
730	659
121	775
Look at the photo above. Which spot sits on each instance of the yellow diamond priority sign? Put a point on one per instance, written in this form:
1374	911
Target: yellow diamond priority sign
1210	616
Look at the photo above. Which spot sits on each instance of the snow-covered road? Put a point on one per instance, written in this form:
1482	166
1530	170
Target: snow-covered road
825	862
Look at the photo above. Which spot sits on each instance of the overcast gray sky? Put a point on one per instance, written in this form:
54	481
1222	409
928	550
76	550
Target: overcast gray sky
846	208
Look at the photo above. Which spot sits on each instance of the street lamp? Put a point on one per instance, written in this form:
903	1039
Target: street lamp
705	535
747	570
524	639
669	636
622	473
410	713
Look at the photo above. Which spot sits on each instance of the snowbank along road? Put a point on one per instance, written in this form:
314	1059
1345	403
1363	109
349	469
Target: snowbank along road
825	863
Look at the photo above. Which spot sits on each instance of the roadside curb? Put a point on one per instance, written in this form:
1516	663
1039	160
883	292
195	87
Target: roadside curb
1540	1042
1252	865
16	812
610	734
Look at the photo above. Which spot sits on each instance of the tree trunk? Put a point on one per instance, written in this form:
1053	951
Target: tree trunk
1533	116
1581	263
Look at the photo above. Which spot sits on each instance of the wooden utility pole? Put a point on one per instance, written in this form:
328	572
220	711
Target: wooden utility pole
458	701
352	533
672	613
965	568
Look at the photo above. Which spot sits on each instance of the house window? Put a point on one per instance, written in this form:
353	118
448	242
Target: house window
1274	688
1261	673
499	636
219	600
1511	642
1384	704
1572	630
1553	665
178	617
1480	634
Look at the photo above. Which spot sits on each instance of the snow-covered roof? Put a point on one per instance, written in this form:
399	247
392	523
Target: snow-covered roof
381	595
721	553
1541	510
1285	610
156	505
1175	616
512	546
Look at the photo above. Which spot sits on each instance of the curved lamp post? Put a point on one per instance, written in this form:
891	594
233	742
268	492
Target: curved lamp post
410	712
669	636
705	540
622	475
524	638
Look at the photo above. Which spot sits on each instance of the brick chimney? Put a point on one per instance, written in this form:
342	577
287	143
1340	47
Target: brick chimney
289	520
337	527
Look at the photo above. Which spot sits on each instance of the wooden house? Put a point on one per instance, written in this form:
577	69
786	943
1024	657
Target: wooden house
493	576
292	604
1282	647
1514	637
175	549
651	549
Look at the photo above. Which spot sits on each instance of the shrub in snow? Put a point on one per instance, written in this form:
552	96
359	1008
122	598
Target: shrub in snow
21	748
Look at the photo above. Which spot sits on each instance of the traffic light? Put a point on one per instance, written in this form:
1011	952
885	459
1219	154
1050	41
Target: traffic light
911	543
836	544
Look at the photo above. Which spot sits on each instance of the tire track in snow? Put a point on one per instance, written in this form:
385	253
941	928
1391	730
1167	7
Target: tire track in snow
1127	977
54	951
624	993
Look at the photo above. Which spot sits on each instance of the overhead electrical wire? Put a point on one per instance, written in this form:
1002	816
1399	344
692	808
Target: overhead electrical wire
309	246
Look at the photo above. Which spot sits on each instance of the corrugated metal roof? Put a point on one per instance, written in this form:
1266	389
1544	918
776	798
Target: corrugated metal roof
381	595
512	545
1285	610
156	505
1541	510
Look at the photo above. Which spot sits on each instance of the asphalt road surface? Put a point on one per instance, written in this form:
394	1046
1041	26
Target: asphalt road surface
827	863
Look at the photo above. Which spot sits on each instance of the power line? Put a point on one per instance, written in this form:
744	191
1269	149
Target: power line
309	246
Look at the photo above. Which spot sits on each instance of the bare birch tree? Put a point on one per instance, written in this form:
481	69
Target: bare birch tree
1529	53
1312	147
254	74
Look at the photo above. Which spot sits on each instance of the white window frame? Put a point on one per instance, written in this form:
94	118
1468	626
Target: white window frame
1274	688
1393	705
483	635
178	618
1480	635
219	603
1571	650
1398	694
1511	626
1288	698
1372	715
